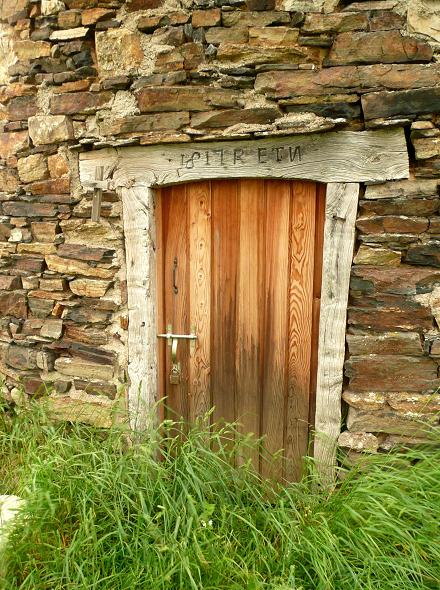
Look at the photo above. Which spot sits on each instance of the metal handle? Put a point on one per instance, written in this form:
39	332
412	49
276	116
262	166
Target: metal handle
175	288
173	339
171	336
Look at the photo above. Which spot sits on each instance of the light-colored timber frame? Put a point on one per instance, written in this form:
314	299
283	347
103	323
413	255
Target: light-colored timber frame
342	160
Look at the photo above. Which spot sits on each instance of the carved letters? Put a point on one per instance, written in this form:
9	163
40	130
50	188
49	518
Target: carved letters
239	156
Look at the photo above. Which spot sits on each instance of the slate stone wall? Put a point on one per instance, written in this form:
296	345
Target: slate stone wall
81	74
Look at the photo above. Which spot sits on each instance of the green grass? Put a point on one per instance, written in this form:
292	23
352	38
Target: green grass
104	515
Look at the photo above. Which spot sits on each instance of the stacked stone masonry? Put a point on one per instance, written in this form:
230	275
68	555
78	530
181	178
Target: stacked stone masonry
77	75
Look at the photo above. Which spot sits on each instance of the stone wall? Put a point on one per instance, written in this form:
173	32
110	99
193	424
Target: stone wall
83	74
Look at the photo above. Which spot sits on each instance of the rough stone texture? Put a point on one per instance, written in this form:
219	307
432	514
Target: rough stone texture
377	47
32	168
358	441
194	98
342	79
389	343
391	373
408	102
118	51
424	18
48	129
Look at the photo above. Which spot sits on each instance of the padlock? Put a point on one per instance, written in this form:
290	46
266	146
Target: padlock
175	374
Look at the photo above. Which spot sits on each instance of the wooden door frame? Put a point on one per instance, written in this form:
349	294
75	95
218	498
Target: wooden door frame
342	160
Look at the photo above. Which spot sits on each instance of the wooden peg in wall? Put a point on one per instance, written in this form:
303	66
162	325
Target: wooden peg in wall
97	194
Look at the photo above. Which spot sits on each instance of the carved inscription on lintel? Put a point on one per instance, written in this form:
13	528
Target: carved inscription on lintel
239	156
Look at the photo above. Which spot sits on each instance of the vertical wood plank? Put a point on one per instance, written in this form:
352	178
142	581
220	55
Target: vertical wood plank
225	240
248	346
175	225
276	320
317	281
339	233
200	297
159	197
139	230
300	302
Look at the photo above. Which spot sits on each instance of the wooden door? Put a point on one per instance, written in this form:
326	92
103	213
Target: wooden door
239	265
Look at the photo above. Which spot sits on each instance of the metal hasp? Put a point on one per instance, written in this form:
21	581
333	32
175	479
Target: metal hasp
173	341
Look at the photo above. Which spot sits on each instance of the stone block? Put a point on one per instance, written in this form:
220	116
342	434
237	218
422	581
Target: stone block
388	343
21	108
402	280
85	315
206	18
10	8
69	34
246	54
53	186
69	19
44	231
217	35
427	147
144	123
28	264
377	256
377	47
398	224
9	283
341	79
135	5
255	19
94	410
391	373
32	168
89	287
8	180
387	421
358	441
273	36
90	16
403	188
80	102
82	252
424	18
193	98
409	102
425	254
27	50
77	267
26	209
21	357
58	165
52	328
119	52
12	143
414	403
48	129
216	119
337	22
77	367
36	248
85	334
366	400
40	308
400	206
389	318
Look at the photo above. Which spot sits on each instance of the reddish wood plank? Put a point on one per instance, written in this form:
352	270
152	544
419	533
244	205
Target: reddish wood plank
250	275
199	194
276	321
175	207
300	302
225	241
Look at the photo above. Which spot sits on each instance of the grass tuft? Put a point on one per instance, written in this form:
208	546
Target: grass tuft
103	515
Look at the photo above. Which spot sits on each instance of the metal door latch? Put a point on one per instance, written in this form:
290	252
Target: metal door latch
173	341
